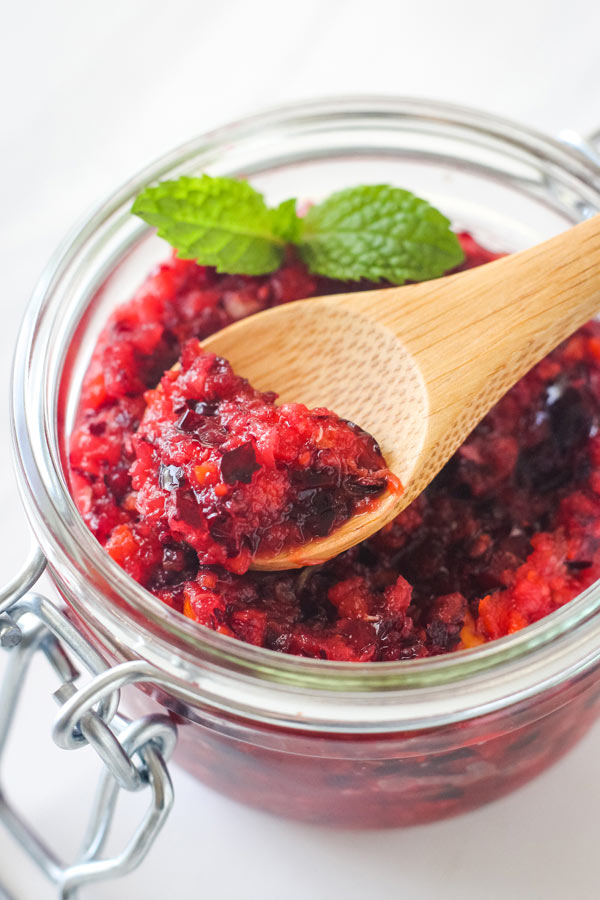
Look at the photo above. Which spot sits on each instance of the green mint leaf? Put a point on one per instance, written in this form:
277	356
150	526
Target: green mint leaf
285	221
377	232
220	222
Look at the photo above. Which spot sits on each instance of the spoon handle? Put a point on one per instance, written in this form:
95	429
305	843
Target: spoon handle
487	327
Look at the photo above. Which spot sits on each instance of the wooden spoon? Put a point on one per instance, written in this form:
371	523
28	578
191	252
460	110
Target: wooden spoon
417	366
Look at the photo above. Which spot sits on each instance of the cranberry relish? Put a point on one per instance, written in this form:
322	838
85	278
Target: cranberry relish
222	468
508	531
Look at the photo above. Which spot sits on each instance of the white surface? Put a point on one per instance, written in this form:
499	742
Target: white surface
89	93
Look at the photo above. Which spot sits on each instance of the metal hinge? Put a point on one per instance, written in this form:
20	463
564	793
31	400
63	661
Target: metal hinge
133	753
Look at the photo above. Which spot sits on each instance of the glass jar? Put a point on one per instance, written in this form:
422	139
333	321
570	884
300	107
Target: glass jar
348	744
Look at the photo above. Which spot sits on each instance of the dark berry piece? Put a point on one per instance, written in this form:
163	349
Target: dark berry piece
239	464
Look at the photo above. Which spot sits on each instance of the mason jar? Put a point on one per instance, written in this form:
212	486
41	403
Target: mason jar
351	744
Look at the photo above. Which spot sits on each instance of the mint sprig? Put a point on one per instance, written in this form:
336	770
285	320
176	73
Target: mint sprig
373	232
220	222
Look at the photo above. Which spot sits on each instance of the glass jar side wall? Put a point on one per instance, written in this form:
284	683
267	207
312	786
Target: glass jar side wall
393	780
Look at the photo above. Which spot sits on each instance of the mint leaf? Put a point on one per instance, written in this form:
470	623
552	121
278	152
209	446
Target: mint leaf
374	232
286	223
220	222
377	232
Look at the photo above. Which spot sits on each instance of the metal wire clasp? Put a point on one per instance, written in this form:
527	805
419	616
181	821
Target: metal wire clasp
134	753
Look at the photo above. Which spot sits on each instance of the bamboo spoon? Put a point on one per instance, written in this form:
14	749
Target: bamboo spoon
417	366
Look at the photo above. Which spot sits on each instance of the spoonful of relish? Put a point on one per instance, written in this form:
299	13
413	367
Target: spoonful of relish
408	371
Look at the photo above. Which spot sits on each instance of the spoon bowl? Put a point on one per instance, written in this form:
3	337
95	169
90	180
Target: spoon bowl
416	366
364	374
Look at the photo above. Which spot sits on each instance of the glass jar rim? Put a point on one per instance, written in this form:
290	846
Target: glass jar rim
246	679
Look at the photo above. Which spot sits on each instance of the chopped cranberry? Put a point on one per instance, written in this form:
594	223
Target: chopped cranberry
506	533
202	408
239	464
243	470
362	487
204	429
327	477
188	510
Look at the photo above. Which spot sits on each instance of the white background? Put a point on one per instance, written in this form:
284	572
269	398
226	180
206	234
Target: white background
89	93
